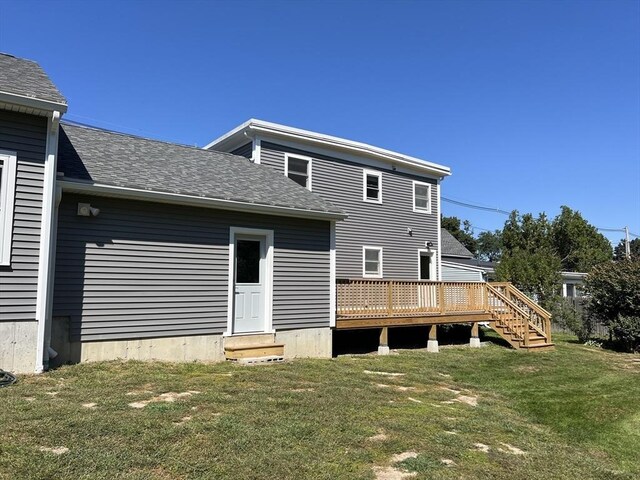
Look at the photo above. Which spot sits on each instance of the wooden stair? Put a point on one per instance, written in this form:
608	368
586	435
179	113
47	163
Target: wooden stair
518	319
253	349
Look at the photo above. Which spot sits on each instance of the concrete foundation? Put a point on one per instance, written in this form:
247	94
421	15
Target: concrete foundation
18	343
475	342
306	343
312	342
432	346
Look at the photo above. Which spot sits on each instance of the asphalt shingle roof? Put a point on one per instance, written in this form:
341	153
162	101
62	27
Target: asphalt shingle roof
25	77
452	247
116	159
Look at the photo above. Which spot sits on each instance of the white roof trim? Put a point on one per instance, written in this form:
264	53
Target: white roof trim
253	127
33	102
464	267
191	200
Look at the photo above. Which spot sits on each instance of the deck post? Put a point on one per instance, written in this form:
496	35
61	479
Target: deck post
475	338
432	343
383	348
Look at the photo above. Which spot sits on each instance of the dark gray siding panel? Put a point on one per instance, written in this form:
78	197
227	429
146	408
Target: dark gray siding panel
244	151
142	270
378	225
25	135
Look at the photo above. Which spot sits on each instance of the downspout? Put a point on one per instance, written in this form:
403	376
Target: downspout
439	213
47	243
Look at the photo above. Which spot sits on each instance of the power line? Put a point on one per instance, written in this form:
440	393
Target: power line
476	207
504	212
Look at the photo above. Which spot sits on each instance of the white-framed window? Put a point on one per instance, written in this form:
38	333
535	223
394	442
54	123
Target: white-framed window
298	169
421	197
8	166
372	262
372	186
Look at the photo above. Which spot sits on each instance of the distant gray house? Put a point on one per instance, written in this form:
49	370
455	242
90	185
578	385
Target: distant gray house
459	264
115	246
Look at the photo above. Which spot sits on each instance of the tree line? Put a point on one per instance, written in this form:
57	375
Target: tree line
532	251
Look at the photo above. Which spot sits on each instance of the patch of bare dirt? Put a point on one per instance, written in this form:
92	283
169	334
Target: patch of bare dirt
90	406
54	450
168	397
447	462
401	457
392	473
511	449
385	374
481	447
378	437
472	401
526	369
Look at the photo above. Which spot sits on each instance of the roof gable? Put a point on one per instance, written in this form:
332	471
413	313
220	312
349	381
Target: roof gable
451	247
26	78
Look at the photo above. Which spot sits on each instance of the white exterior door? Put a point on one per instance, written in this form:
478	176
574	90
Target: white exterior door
249	284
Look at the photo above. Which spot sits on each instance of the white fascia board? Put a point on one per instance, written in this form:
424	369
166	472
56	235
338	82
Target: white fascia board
267	129
191	200
231	136
45	106
463	267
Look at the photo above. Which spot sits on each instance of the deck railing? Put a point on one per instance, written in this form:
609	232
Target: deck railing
391	298
377	298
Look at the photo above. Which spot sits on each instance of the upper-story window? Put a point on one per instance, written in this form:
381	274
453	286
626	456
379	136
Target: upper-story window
7	196
372	186
298	169
372	262
421	197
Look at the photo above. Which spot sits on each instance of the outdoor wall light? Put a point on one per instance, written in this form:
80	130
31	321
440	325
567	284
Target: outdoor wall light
409	231
86	210
428	245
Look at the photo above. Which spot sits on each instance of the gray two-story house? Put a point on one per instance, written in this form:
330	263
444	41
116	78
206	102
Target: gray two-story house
392	200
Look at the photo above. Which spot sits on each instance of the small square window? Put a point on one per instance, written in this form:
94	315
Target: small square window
372	186
298	169
372	262
421	197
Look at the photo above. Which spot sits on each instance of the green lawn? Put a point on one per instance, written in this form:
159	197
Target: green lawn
570	413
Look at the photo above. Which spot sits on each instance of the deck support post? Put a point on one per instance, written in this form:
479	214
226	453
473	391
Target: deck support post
432	344
475	338
383	348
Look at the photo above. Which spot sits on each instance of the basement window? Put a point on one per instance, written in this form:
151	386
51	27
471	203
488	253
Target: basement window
298	169
8	165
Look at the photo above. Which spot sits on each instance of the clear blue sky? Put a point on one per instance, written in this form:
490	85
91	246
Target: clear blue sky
533	104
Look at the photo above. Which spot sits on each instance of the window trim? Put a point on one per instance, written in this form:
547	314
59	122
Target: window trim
380	260
7	203
309	161
375	173
416	208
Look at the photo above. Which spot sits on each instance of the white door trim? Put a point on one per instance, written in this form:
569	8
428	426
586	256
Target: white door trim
268	289
433	271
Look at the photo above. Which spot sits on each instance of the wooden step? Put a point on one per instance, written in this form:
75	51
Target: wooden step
540	347
239	351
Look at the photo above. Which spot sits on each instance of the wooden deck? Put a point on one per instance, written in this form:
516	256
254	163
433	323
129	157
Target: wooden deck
390	303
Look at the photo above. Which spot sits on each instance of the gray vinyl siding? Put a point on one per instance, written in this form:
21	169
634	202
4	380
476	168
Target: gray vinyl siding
376	225
245	150
452	273
144	270
25	135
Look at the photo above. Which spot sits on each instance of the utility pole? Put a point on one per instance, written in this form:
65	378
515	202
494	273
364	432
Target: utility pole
627	245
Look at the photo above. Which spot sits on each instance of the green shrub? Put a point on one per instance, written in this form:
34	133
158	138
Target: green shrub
627	331
614	299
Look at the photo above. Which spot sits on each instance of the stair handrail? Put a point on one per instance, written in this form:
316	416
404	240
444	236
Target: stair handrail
544	326
523	332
